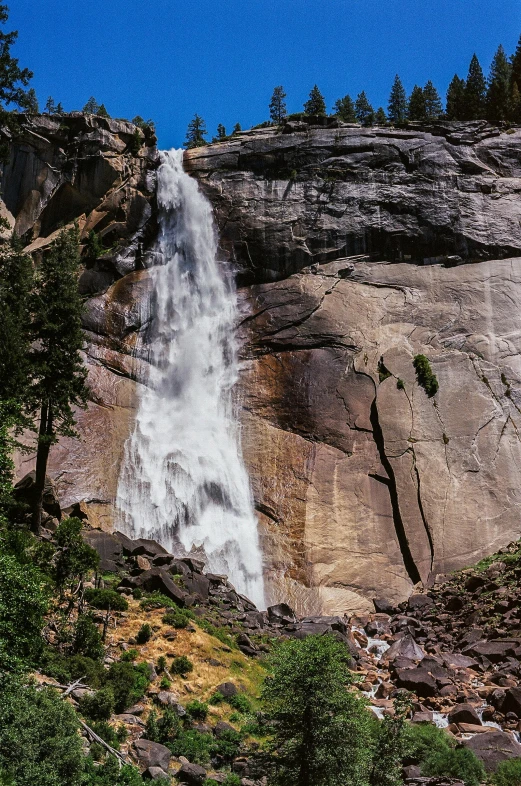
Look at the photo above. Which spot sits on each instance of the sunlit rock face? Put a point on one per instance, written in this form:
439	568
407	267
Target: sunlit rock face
363	486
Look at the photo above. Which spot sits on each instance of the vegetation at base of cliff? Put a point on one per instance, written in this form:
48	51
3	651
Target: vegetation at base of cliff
425	375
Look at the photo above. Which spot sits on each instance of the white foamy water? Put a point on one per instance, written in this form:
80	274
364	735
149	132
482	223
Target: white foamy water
183	481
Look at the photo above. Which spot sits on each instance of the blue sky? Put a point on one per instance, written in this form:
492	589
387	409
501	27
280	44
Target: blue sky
167	59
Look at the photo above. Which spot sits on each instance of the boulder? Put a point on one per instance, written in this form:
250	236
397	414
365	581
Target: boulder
227	689
383	606
157	579
495	650
419	602
154	774
192	774
493	748
197	584
152	754
464	713
24	492
512	702
221	728
418	681
281	614
405	647
108	547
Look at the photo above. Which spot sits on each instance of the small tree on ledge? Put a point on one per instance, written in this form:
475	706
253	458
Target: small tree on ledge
316	104
196	132
278	105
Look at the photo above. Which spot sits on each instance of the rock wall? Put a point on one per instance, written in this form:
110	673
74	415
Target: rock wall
356	249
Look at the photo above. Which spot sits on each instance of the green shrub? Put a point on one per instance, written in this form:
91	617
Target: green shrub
105	599
163	729
106	732
128	683
508	773
216	698
400	384
240	702
425	376
181	665
176	618
99	706
161	664
155	601
109	773
144	634
227	745
218	633
197	710
129	655
424	738
383	371
74	557
165	683
195	746
459	763
137	593
87	638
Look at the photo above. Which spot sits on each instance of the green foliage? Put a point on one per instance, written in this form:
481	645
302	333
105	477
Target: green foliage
91	107
416	109
99	706
197	710
425	376
102	111
240	702
128	683
363	110
380	118
508	773
345	109
181	665
165	683
176	618
161	664
433	107
156	600
278	105
196	132
13	80
216	698
475	92
397	108
383	371
129	656
16	282
39	740
217	633
136	143
105	599
315	105
31	101
163	729
459	763
144	634
392	745
318	731
93	246
109	773
497	100
455	107
23	604
87	638
74	558
400	384
195	746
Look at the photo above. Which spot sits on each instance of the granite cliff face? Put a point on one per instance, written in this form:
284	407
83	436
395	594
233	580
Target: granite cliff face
364	487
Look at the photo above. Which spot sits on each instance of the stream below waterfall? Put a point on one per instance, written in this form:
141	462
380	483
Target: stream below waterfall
183	481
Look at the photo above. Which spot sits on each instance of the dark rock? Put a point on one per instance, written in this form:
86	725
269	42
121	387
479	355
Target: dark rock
411	771
464	713
418	681
227	689
425	716
24	492
282	614
107	546
197	584
493	748
405	647
157	579
383	606
474	582
334	623
192	774
152	754
495	650
148	547
419	602
195	565
221	728
154	773
512	702
457	661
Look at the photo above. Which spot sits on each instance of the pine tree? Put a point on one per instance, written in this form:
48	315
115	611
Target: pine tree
515	104
363	110
498	92
221	131
195	133
59	108
13	79
50	106
475	91
316	104
236	129
433	106
456	99
58	375
380	118
278	106
515	77
31	101
345	109
102	111
397	107
16	283
417	111
91	107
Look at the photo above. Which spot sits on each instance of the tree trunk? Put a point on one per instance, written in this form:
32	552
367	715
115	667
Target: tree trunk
42	456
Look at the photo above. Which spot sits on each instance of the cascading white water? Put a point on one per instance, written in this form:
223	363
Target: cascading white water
183	481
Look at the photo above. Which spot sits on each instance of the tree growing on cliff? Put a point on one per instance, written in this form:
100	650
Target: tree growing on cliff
50	106
31	101
433	106
475	92
91	107
13	80
319	731
455	107
380	118
416	108
196	132
397	108
363	110
345	109
58	374
497	101
515	75
102	111
278	109
315	105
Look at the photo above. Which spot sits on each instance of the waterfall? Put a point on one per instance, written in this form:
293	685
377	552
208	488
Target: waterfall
183	481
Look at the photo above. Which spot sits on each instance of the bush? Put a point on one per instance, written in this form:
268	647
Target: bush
111	774
99	706
163	729
227	745
161	664
129	656
176	618
241	703
39	740
195	746
508	773
155	601
181	665
425	376
128	683
87	638
165	683
106	732
459	763
74	557
216	698
68	668
144	634
424	738
197	710
105	599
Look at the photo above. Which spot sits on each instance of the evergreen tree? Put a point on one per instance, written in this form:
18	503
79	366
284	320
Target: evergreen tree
31	101
515	104
397	107
363	110
59	108
195	133
417	111
236	129
318	731
475	91
50	106
91	107
456	99
433	106
515	76
316	104
13	79
221	131
16	282
380	118
392	745
498	91
278	105
102	111
58	375
345	109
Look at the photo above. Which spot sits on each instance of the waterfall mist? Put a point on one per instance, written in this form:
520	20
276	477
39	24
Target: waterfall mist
183	481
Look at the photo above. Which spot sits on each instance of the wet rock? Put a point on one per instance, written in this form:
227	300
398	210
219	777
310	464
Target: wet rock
107	546
383	606
406	647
